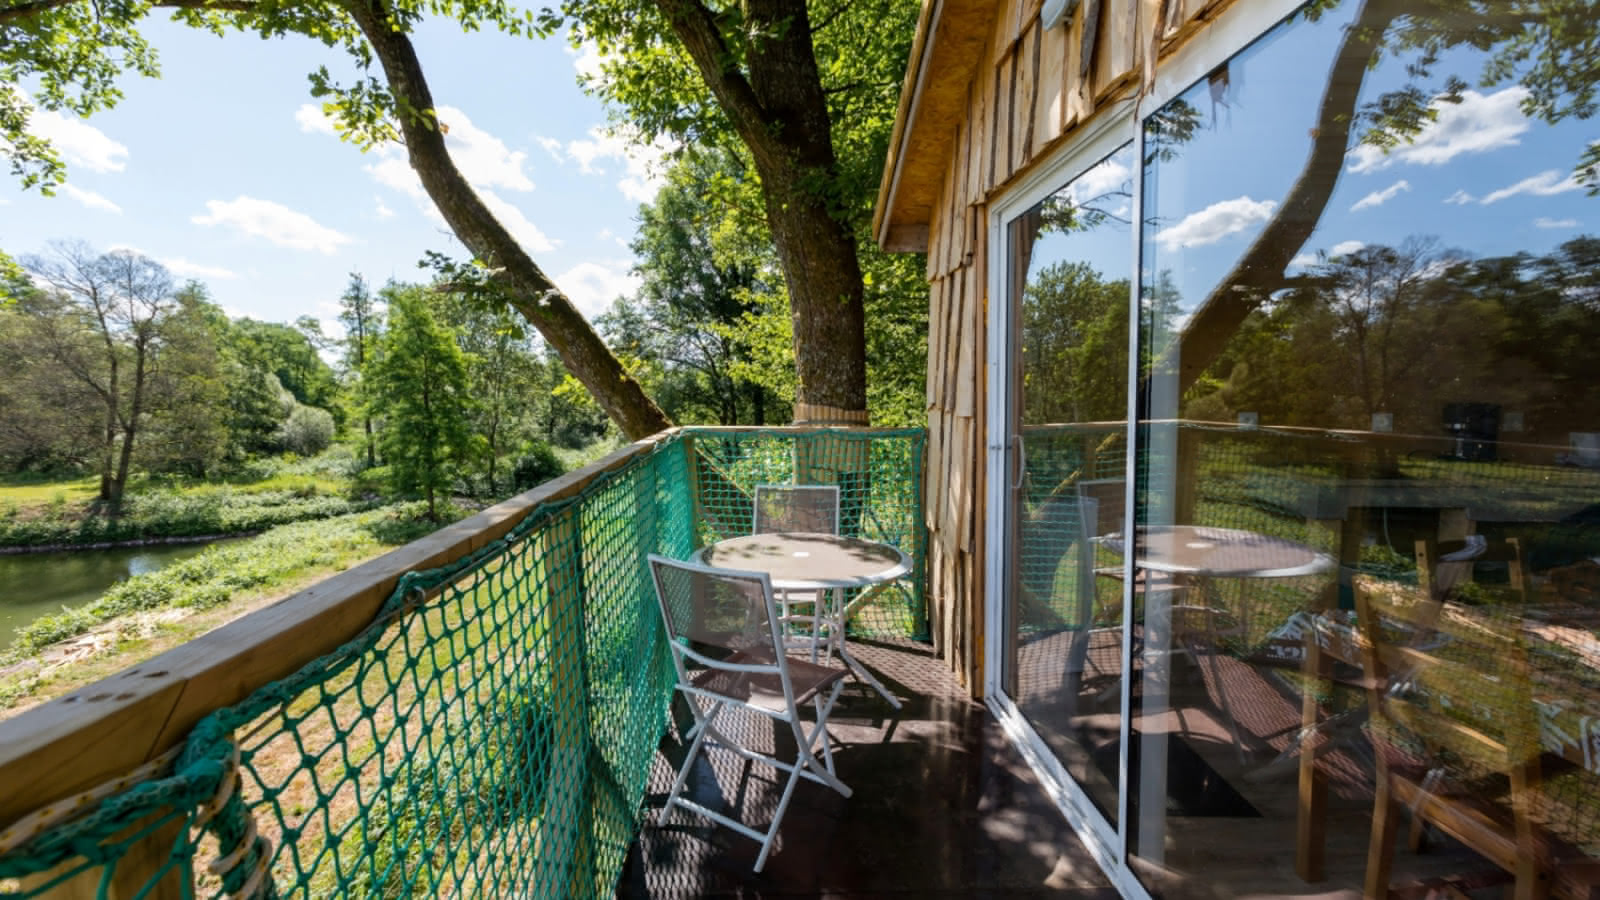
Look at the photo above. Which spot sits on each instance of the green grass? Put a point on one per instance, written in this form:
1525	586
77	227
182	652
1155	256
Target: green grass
22	491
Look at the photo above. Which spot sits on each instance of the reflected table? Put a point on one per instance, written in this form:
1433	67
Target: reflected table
798	562
1200	550
1192	554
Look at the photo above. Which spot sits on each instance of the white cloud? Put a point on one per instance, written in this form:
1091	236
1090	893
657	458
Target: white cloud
383	211
1345	248
1547	222
312	119
177	265
78	142
1477	124
396	173
587	61
1545	184
527	234
552	147
90	199
484	159
593	285
1460	198
1215	222
642	162
598	146
1110	175
273	222
1379	198
183	268
1304	260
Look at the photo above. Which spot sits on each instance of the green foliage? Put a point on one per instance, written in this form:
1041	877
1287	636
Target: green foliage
287	353
421	391
307	431
174	513
536	466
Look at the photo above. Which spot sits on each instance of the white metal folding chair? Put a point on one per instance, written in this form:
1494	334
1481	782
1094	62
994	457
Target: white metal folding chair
809	509
727	645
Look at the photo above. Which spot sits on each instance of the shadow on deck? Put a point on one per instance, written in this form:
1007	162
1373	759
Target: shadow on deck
943	807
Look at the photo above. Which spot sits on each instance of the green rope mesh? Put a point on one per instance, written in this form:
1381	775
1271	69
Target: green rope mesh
490	733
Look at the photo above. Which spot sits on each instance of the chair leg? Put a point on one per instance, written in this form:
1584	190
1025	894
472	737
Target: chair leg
777	818
1417	840
702	728
1380	852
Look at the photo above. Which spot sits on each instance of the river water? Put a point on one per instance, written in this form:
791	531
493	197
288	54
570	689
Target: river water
37	584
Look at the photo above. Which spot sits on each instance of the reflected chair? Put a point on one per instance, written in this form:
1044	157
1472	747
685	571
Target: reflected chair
1443	566
726	637
1454	730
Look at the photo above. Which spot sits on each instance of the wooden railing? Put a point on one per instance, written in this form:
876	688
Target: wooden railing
105	730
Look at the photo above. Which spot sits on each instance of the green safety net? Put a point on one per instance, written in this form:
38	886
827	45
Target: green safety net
490	733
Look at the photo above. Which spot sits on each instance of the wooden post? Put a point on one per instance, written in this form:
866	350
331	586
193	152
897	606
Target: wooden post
1186	476
1311	824
135	871
691	463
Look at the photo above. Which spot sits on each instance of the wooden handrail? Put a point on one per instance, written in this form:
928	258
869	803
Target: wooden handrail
107	728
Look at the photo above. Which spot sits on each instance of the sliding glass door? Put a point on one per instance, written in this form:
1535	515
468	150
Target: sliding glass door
1066	357
1365	452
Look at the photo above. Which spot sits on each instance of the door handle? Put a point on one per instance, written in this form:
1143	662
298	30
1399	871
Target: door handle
1022	461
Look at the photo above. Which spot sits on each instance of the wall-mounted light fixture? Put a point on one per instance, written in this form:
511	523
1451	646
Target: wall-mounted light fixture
1057	12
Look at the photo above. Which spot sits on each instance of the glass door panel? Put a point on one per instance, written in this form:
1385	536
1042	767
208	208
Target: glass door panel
1368	463
1068	296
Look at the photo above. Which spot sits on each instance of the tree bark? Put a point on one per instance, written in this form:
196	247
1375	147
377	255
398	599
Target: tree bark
781	115
130	425
1260	270
535	295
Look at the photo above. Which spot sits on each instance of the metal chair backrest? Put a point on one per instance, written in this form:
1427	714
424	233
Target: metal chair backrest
718	618
810	508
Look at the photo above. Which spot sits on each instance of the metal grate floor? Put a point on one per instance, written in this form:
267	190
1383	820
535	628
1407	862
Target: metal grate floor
943	807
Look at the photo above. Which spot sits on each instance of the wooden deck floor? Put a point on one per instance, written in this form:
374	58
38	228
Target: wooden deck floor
943	808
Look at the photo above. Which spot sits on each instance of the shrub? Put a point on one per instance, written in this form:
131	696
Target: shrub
538	465
307	431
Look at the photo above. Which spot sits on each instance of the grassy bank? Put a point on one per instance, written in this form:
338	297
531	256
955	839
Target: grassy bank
149	613
260	495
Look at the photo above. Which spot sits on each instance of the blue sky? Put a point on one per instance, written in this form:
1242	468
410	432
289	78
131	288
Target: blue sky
1483	178
225	170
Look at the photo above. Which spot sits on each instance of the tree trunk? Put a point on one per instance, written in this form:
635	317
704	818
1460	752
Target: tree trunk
1260	270
130	426
781	114
107	492
535	295
371	452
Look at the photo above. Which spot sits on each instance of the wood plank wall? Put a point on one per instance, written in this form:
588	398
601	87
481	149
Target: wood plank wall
1033	89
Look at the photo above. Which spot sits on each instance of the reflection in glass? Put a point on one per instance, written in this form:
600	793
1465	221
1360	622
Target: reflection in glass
1370	328
1070	293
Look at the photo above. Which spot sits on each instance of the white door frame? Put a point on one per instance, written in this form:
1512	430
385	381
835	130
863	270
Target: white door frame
1111	131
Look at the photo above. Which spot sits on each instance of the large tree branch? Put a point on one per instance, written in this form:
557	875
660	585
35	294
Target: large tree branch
533	293
696	27
1261	268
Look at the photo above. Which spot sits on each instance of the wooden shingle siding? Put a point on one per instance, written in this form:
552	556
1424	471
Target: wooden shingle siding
1032	88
